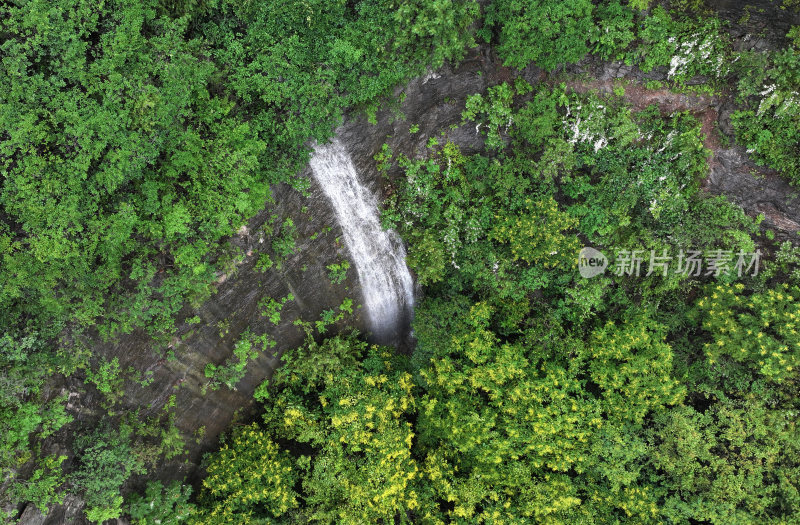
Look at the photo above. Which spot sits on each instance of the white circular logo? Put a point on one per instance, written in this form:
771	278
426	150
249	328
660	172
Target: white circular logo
591	262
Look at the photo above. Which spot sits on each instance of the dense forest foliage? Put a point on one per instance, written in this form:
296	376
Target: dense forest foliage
135	138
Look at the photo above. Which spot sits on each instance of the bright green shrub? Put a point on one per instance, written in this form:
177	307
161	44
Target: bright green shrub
341	412
162	505
354	414
25	416
537	236
247	347
769	122
613	30
494	112
735	462
759	330
510	430
106	460
337	272
688	48
44	486
545	32
441	26
107	379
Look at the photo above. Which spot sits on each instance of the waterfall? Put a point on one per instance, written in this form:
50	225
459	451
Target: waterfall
378	255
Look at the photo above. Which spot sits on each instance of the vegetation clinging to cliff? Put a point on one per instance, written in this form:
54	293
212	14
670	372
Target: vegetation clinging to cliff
136	138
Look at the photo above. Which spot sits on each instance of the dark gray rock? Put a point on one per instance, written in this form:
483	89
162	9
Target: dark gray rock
32	516
757	191
756	25
70	511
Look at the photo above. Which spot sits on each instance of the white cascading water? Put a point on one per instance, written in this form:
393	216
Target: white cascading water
378	255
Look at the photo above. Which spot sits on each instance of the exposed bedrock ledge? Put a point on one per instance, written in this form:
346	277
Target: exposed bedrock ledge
758	190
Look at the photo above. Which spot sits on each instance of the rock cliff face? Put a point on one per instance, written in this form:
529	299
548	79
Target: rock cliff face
434	103
202	413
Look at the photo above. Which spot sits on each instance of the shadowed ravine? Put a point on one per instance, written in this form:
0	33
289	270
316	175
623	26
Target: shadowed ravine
378	255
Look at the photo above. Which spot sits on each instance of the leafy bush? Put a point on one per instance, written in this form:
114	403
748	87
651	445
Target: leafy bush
284	242
271	309
442	27
44	486
737	460
769	123
494	112
106	460
248	473
688	48
545	32
162	505
330	316
26	415
337	272
758	329
349	442
613	31
107	379
247	348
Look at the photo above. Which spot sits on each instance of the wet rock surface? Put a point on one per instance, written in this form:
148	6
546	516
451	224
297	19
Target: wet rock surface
201	413
756	25
757	190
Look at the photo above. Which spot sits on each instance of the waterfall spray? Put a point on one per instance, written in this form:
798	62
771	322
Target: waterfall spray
378	255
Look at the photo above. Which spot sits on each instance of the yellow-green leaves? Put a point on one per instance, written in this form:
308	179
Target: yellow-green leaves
633	366
249	471
537	235
761	330
344	411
